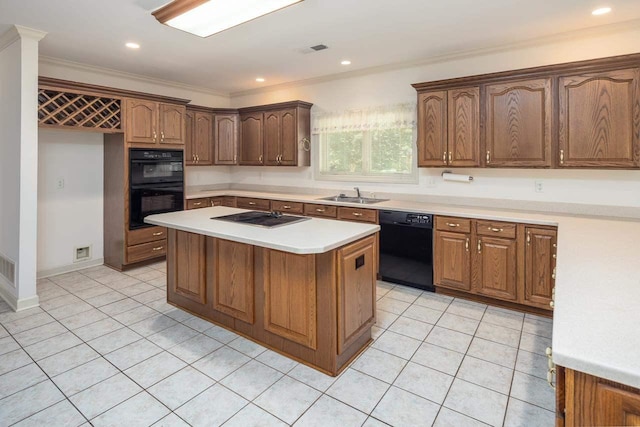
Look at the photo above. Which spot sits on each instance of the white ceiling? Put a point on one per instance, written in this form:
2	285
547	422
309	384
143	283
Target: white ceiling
371	33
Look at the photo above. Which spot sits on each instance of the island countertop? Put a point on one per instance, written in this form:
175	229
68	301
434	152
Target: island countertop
306	237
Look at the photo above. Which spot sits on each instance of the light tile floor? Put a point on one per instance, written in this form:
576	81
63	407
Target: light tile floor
105	349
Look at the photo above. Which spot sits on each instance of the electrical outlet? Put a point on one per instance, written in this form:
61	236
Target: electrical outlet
431	182
60	183
539	186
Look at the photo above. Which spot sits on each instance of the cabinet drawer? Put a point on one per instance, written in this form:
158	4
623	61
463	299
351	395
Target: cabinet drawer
198	203
496	229
229	201
146	251
458	225
356	214
320	210
253	204
144	235
290	207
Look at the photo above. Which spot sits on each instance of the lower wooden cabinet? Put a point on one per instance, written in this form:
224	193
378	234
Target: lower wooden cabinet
290	296
323	211
503	261
452	260
232	280
253	204
188	256
146	251
589	401
287	207
203	202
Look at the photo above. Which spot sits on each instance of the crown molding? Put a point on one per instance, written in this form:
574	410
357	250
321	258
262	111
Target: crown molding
130	76
462	54
17	32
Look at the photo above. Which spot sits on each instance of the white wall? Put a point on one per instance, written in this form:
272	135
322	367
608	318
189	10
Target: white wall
617	188
72	216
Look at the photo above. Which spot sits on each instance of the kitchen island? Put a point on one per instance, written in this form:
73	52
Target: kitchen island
305	290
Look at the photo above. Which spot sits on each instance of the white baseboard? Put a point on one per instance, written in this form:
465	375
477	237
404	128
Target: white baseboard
18	304
42	274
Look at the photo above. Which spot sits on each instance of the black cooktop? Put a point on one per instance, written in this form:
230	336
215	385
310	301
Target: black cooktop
262	219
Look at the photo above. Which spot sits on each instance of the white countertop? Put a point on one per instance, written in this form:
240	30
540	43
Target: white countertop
596	327
306	237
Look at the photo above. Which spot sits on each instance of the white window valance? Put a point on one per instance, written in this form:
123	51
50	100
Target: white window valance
399	116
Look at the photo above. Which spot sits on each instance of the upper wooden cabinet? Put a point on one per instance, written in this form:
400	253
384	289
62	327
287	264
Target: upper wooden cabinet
518	124
199	137
225	128
276	135
449	128
600	119
251	139
153	122
576	115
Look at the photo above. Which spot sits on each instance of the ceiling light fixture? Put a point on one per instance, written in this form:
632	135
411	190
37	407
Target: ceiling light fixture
132	45
204	17
601	11
346	62
260	80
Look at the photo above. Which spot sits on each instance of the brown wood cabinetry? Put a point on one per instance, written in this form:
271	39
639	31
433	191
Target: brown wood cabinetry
357	268
187	256
152	122
518	123
290	296
199	138
324	211
600	119
251	139
449	127
146	251
590	401
577	115
203	202
232	280
540	264
358	214
496	260
145	235
276	134
225	128
253	204
287	207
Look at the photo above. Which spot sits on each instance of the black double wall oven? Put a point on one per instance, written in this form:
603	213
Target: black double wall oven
156	184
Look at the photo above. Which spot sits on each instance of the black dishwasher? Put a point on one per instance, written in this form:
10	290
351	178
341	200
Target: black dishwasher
406	248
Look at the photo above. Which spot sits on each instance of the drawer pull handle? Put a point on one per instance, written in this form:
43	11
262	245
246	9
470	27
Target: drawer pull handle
162	138
155	136
496	230
444	157
159	248
528	237
357	214
319	210
286	207
561	157
466	245
450	157
197	204
488	157
252	203
479	245
159	233
452	224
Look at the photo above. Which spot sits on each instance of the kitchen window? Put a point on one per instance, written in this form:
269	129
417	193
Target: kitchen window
373	145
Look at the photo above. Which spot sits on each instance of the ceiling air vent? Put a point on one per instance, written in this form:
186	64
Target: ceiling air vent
319	47
8	269
313	49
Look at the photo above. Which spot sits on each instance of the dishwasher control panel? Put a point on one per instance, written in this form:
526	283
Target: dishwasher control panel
418	219
414	219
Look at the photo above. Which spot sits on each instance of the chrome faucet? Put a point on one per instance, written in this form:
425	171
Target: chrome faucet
357	192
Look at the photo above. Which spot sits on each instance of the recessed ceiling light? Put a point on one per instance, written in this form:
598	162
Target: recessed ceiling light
260	79
132	45
601	11
207	17
346	62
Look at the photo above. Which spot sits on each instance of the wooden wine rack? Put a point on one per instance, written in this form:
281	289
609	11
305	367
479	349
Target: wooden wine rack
62	109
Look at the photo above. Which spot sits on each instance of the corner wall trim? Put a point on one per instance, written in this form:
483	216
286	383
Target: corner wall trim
18	304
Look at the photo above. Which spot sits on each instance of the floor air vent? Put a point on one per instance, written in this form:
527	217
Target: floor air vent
8	269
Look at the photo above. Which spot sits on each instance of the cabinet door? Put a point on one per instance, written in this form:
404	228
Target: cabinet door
290	305
142	119
172	126
288	138
540	250
464	127
226	139
356	291
432	129
272	138
600	120
203	138
189	148
452	260
494	270
251	139
617	407
233	288
188	251
518	124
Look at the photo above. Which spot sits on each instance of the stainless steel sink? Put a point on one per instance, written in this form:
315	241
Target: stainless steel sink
347	199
